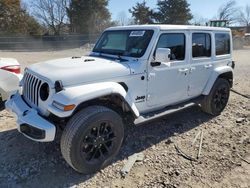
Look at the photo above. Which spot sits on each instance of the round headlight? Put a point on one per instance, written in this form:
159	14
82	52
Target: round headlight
44	91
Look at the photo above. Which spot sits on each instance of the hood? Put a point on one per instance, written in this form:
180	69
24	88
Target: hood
76	70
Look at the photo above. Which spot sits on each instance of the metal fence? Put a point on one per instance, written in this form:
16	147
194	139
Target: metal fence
32	43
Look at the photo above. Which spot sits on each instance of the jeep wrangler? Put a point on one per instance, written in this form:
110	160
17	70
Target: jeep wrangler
134	74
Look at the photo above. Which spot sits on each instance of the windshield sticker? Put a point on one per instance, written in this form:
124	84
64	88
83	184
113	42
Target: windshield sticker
137	34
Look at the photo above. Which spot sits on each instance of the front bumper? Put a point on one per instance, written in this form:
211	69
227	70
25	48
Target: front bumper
29	122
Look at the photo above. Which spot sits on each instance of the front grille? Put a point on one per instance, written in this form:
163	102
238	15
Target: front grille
31	87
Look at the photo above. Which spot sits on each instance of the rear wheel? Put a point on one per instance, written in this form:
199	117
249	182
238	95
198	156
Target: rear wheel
218	97
92	138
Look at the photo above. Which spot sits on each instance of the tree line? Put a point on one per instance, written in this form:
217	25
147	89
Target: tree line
15	19
56	17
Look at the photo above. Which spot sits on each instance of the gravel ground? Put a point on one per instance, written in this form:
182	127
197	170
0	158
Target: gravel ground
226	139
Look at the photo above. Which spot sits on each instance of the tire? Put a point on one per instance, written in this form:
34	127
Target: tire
92	138
2	104
217	100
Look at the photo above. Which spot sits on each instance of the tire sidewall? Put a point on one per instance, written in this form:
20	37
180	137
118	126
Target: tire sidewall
2	105
218	84
117	127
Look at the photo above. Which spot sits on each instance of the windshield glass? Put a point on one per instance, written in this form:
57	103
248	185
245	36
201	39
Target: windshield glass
131	43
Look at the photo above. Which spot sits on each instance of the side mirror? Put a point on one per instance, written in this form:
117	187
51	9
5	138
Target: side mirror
162	55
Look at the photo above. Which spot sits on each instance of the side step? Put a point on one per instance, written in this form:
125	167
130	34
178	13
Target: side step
166	111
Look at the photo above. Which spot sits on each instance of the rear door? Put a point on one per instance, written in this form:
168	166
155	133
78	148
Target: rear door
201	63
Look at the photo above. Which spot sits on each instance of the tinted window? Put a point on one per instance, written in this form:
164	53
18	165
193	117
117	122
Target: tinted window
133	43
222	41
174	41
201	45
116	41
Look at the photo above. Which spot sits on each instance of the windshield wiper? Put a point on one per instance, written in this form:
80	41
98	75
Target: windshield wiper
120	57
118	54
100	53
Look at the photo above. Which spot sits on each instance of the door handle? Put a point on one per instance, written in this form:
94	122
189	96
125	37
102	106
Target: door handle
155	64
183	70
208	66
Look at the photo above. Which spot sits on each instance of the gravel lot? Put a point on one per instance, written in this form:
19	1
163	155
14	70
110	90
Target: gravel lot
24	163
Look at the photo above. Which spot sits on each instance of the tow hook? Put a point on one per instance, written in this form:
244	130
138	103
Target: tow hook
25	112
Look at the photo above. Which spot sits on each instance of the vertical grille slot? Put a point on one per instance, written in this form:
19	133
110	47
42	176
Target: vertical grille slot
38	89
28	86
31	88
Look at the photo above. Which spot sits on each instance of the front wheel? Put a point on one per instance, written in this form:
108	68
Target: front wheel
218	98
92	138
2	104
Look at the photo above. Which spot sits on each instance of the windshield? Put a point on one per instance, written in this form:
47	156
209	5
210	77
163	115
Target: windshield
131	43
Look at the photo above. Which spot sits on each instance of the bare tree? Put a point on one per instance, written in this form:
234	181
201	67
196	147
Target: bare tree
52	13
122	18
198	20
228	12
244	17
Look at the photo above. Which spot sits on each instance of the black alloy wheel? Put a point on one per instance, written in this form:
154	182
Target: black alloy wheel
98	142
92	138
220	98
217	100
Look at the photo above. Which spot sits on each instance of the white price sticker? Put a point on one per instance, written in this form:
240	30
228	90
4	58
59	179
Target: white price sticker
137	34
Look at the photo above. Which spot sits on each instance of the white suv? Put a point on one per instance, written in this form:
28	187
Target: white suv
134	74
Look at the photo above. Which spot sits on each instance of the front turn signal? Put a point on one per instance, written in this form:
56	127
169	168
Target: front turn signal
63	107
69	107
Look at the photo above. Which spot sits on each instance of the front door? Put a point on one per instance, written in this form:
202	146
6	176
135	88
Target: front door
168	82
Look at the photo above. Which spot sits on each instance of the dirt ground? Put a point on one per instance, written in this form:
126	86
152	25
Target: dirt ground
24	163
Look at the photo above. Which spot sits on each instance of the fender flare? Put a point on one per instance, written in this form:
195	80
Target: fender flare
216	73
78	94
